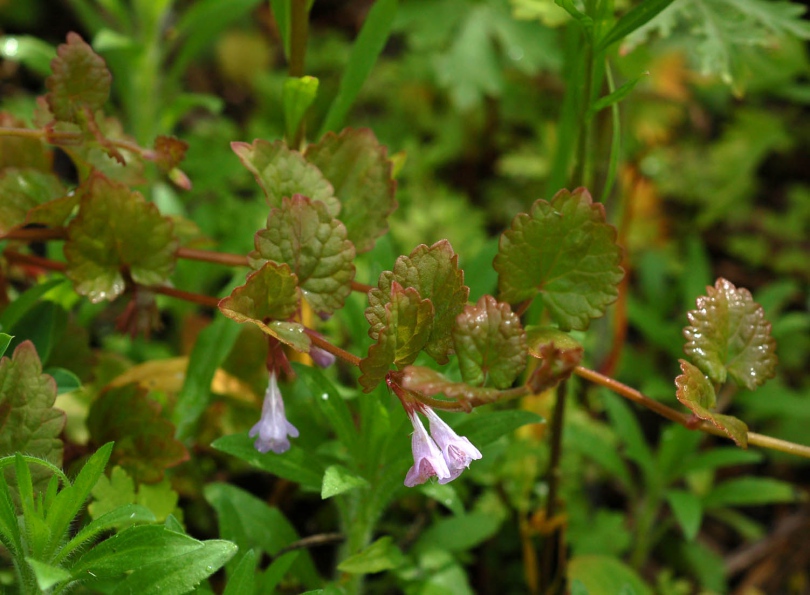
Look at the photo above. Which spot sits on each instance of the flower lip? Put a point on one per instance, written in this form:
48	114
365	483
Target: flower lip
273	428
427	458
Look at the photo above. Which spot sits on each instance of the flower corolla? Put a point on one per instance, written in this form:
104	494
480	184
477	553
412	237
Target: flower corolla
273	428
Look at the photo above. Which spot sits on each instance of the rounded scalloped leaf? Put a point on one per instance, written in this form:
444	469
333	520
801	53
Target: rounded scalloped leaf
117	230
80	80
490	343
559	353
408	320
729	336
433	271
23	189
566	251
267	299
696	392
282	172
303	235
360	171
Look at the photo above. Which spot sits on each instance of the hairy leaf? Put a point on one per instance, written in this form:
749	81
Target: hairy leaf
80	80
117	231
490	343
29	423
697	393
729	335
144	439
281	172
559	353
22	189
433	271
408	319
267	299
566	251
361	173
303	235
430	382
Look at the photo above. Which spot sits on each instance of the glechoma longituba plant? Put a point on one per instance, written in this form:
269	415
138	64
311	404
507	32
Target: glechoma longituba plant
558	267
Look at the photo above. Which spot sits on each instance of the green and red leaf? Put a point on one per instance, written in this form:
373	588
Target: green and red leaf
565	250
22	190
490	343
117	232
302	234
360	172
79	81
433	271
559	353
169	152
408	320
430	383
729	336
144	439
696	392
269	297
282	172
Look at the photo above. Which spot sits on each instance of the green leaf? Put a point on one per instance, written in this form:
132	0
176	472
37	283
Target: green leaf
28	418
330	402
181	573
729	335
29	51
23	189
360	171
484	428
211	348
80	80
295	464
145	439
337	479
490	343
460	533
297	96
365	50
5	341
47	576
605	575
565	250
303	235
381	555
281	171
614	97
116	229
281	13
408	320
688	511
269	293
752	491
635	18
243	579
697	393
580	17
25	302
429	382
110	494
66	381
433	271
559	353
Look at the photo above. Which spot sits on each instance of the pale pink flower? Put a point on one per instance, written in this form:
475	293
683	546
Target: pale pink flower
456	450
427	458
273	428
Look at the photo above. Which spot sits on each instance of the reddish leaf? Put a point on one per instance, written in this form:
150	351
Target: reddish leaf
169	152
430	382
80	80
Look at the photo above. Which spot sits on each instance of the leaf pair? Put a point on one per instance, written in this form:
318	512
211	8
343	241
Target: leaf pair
728	337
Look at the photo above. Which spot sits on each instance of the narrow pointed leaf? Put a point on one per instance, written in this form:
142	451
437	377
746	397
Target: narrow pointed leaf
433	271
408	320
80	80
697	393
269	297
635	18
490	343
29	422
360	171
47	576
281	171
303	235
615	97
729	336
559	353
337	479
117	229
565	250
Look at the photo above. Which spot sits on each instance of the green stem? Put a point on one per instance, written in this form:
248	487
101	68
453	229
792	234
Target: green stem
299	30
551	571
644	528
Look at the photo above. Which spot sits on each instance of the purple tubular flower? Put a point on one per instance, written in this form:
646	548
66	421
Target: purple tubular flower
273	427
427	458
457	450
321	357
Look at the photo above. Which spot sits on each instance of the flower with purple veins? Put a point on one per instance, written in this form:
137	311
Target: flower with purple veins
427	458
273	428
457	450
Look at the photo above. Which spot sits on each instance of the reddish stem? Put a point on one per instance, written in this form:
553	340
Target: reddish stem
236	260
318	340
